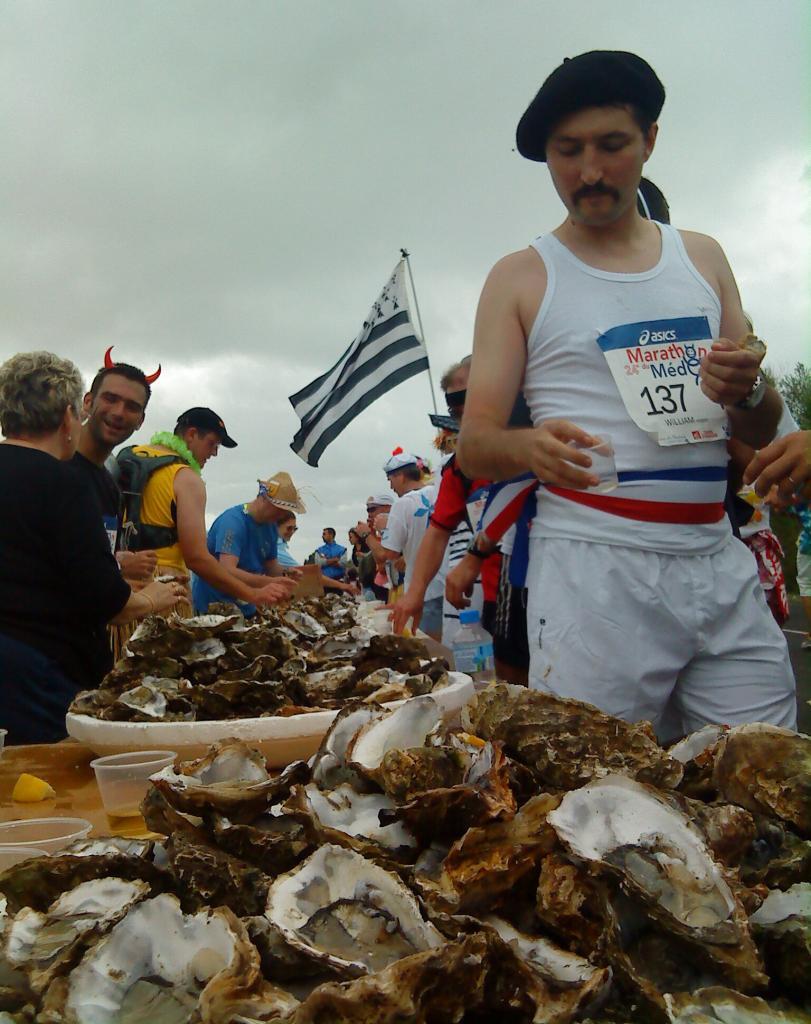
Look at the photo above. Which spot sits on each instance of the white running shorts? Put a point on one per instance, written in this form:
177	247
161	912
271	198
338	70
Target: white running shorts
681	641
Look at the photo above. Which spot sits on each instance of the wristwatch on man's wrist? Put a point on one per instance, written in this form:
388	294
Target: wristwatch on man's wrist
755	395
475	550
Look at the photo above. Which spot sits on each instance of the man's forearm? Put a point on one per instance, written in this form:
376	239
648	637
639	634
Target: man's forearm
756	427
381	553
429	558
218	576
485	450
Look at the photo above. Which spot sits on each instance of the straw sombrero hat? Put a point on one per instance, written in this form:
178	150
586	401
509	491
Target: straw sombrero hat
281	491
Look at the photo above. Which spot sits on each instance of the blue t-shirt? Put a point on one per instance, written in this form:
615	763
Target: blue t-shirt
335	572
234	532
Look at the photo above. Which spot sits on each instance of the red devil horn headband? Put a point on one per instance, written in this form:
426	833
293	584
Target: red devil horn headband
150	378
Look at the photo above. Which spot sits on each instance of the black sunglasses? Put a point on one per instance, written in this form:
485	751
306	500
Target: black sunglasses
455	399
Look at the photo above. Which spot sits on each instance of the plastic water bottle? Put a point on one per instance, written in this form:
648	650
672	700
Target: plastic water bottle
472	648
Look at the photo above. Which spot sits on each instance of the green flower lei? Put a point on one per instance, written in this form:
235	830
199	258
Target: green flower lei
179	446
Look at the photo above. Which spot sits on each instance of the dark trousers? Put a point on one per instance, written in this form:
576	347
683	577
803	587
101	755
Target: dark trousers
34	694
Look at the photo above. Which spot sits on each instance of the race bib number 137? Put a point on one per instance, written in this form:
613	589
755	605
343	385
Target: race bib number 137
655	365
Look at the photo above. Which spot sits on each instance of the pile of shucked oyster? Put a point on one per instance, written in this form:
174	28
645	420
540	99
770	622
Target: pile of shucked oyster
540	862
309	656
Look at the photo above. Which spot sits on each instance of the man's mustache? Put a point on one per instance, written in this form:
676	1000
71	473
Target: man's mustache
595	190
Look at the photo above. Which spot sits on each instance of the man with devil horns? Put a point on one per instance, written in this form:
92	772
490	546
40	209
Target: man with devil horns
112	411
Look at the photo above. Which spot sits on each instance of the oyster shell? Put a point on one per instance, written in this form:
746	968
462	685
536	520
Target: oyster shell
344	816
348	912
45	944
767	770
446	813
489	861
146	700
406	726
110	844
647	959
211	878
272	842
154	637
231	778
339	645
201	627
400	653
159	963
477	978
547	959
782	927
718	1005
203	650
776	857
239	698
697	753
629	831
37	883
329	767
567	742
131	670
406	773
321	687
304	624
570	903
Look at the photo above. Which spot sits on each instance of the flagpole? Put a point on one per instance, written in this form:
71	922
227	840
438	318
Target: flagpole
404	254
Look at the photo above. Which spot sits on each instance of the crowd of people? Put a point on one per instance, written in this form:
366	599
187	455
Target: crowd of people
638	599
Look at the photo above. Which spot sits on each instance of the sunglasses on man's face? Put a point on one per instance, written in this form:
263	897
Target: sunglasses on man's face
455	399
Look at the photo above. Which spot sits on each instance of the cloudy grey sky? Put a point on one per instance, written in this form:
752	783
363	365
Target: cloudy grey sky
223	188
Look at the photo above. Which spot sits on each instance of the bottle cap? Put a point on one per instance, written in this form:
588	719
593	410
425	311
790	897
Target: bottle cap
469	615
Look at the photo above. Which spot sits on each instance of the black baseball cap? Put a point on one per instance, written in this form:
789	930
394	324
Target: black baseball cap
596	79
205	419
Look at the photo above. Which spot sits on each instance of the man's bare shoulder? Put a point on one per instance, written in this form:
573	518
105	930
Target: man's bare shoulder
517	282
701	245
186	481
526	263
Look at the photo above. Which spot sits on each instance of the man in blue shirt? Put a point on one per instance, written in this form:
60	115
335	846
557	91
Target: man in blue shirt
245	538
329	555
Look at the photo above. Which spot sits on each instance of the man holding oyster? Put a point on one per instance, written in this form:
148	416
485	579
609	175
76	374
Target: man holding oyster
626	336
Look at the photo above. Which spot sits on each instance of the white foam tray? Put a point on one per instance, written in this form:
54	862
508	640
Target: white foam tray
280	739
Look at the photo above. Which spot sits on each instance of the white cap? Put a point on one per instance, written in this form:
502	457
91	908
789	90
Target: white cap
399	460
379	500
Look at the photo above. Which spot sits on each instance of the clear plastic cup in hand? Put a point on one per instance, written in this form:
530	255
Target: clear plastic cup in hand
603	466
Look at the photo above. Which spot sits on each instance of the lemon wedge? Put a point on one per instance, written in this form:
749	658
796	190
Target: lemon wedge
29	789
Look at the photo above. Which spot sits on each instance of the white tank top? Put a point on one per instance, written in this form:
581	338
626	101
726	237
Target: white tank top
567	377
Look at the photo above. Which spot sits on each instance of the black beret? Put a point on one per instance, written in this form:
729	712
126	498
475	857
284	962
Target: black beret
599	78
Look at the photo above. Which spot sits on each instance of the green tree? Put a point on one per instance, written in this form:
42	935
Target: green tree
795	387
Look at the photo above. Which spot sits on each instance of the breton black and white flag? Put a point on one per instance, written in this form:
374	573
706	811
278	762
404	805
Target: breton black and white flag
383	355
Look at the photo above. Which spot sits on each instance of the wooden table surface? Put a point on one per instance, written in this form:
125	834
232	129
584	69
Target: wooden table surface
66	766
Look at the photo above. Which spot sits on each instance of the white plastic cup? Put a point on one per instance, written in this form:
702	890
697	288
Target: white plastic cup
3	734
602	464
42	835
123	779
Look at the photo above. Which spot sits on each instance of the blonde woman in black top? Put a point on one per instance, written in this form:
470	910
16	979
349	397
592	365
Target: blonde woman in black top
59	582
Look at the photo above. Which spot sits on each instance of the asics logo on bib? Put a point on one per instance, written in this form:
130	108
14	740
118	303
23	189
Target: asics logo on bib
652	336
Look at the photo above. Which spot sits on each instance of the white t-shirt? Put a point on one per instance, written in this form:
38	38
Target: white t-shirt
408	521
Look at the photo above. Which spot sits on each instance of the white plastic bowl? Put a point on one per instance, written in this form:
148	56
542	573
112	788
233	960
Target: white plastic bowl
46	835
280	739
123	779
11	855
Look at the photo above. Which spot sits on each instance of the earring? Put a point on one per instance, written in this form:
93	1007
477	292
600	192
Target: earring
70	438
